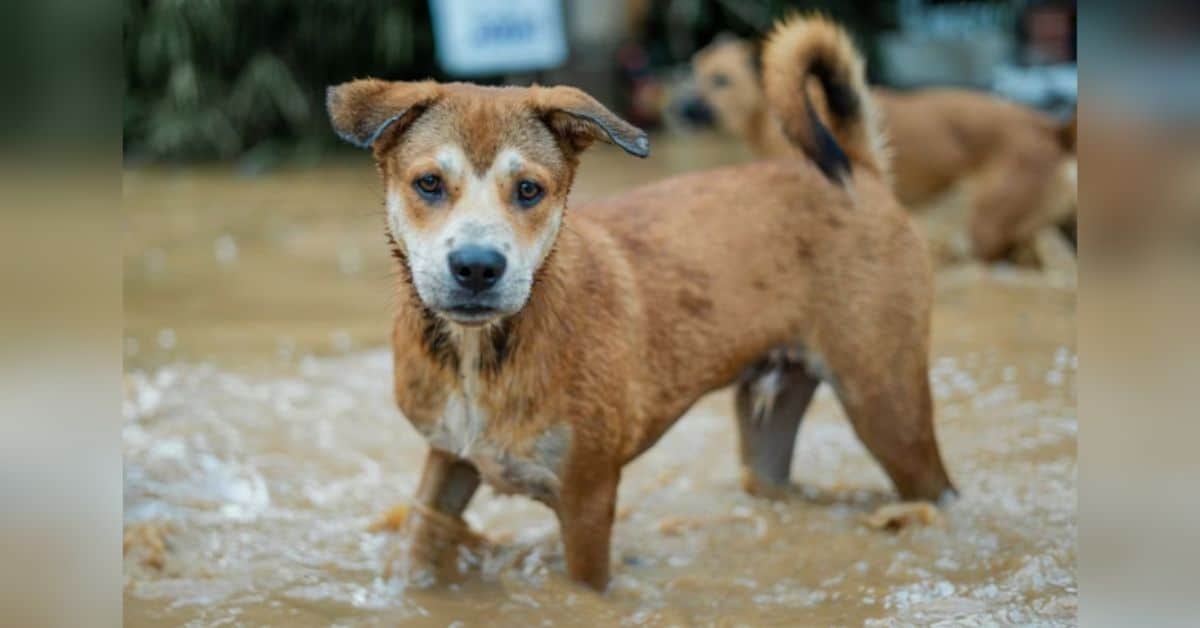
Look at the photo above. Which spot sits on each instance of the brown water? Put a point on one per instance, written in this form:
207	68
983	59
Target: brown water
261	443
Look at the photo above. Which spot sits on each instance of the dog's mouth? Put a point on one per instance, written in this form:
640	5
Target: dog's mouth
471	313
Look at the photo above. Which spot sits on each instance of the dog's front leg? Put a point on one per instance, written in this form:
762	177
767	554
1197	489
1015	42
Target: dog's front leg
436	527
585	516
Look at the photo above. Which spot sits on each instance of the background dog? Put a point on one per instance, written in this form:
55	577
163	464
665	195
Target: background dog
1017	165
541	350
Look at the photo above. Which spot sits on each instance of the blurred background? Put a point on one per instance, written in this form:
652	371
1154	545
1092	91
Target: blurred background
244	81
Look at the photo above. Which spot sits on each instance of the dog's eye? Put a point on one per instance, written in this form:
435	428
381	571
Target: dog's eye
429	186
528	193
719	80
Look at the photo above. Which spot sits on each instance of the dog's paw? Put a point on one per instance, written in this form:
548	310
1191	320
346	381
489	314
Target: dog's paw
434	548
896	517
758	487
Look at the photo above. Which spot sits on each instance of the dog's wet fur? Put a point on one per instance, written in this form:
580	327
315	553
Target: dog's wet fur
573	340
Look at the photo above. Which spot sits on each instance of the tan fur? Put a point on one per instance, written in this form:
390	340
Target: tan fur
1009	156
646	302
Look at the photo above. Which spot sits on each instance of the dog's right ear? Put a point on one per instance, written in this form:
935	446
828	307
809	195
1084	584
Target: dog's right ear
362	111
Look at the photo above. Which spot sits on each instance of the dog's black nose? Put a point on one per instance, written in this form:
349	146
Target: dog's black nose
477	268
696	111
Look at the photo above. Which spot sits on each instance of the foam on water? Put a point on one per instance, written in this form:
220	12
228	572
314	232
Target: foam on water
267	484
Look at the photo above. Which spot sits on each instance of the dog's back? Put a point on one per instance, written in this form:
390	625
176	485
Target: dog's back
738	260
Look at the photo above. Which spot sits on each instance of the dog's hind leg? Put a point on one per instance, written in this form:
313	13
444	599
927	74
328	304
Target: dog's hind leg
892	414
771	399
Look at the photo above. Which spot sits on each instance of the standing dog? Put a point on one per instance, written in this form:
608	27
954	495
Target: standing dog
542	350
1019	163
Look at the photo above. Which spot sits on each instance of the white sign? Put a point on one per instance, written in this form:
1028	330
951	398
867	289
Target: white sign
477	37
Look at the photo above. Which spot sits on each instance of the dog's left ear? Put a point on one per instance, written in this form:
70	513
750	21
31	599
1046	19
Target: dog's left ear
581	119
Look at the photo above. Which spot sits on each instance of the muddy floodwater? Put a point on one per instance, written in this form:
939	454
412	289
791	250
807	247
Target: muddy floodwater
262	447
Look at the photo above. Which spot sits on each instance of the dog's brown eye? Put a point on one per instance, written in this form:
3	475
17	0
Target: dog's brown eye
429	186
528	193
719	80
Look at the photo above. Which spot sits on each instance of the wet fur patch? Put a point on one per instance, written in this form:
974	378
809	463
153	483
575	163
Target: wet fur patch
498	345
540	474
437	340
694	304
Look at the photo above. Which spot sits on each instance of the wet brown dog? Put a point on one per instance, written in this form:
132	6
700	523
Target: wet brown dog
541	351
1018	164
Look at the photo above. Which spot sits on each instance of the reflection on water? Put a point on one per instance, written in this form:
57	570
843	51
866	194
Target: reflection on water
261	443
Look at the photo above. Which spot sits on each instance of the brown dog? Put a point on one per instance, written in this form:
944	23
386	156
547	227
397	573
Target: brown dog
1018	163
542	350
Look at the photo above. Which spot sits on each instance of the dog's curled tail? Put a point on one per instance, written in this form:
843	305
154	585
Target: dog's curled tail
816	88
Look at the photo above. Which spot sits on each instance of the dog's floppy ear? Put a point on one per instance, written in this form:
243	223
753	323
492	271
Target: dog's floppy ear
580	119
361	111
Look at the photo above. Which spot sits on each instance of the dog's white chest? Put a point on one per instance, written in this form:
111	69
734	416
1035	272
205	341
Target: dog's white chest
459	429
463	420
530	466
534	469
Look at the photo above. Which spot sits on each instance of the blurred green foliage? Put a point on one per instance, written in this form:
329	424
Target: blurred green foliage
245	79
218	79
